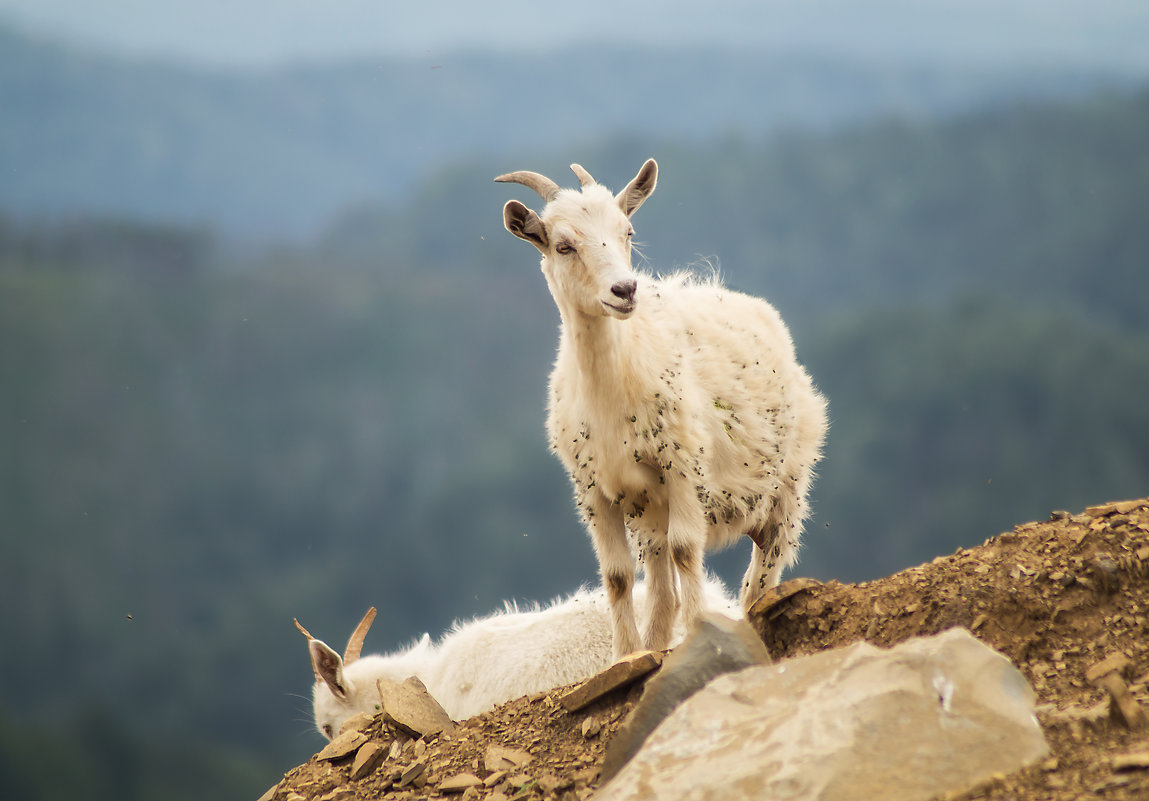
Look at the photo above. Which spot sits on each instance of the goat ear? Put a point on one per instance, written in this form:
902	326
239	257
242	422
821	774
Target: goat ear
639	189
328	667
525	224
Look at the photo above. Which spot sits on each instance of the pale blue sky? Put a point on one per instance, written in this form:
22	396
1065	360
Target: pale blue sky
266	32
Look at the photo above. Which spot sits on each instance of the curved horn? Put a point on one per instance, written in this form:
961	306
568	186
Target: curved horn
307	634
584	177
302	630
546	188
355	644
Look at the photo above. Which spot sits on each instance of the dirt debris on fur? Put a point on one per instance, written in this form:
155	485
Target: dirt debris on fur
1066	599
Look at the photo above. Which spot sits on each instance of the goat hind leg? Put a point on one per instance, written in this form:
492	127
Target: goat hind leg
766	563
775	542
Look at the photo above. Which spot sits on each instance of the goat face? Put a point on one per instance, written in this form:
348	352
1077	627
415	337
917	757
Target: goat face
346	686
585	239
587	264
345	689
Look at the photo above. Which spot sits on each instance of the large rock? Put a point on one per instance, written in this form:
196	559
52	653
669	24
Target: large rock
715	645
411	707
932	715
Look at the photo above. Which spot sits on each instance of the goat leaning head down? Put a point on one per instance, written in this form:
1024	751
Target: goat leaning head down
585	238
330	672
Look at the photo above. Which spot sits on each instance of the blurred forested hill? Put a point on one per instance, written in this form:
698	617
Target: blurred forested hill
198	444
272	154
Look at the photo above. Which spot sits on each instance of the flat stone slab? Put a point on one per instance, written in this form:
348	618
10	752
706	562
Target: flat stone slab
459	783
410	707
776	595
367	759
1123	707
500	758
356	722
1116	507
343	745
1114	663
623	672
412	773
1136	760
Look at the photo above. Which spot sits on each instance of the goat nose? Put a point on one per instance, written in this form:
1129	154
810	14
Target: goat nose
624	289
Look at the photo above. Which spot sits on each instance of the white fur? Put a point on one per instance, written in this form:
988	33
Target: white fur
678	408
489	660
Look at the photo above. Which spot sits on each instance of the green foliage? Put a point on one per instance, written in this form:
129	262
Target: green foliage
216	453
951	424
145	249
95	757
1038	204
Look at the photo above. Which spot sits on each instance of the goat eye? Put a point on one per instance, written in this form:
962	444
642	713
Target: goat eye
564	248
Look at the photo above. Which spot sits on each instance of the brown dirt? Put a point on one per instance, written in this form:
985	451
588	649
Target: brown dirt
1056	597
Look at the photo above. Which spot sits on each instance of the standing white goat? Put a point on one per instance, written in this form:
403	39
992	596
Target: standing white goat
677	406
481	663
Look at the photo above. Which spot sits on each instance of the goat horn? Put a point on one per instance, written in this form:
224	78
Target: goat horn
355	644
307	634
584	177
546	188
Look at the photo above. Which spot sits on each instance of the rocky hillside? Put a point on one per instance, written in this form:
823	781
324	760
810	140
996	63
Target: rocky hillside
1067	600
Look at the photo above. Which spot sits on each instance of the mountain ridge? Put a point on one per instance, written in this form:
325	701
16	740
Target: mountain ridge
277	153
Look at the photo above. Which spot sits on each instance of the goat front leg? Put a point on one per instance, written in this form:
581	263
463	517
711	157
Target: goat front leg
686	538
616	566
660	594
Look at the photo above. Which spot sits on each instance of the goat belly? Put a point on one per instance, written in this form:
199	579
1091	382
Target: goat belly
627	481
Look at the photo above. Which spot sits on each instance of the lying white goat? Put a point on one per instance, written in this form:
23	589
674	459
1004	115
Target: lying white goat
677	406
482	663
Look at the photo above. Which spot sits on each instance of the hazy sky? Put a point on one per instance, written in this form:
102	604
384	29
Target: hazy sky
261	32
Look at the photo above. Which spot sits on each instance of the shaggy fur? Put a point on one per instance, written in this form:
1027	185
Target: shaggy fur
486	661
677	406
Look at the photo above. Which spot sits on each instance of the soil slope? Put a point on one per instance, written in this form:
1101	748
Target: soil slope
1066	599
